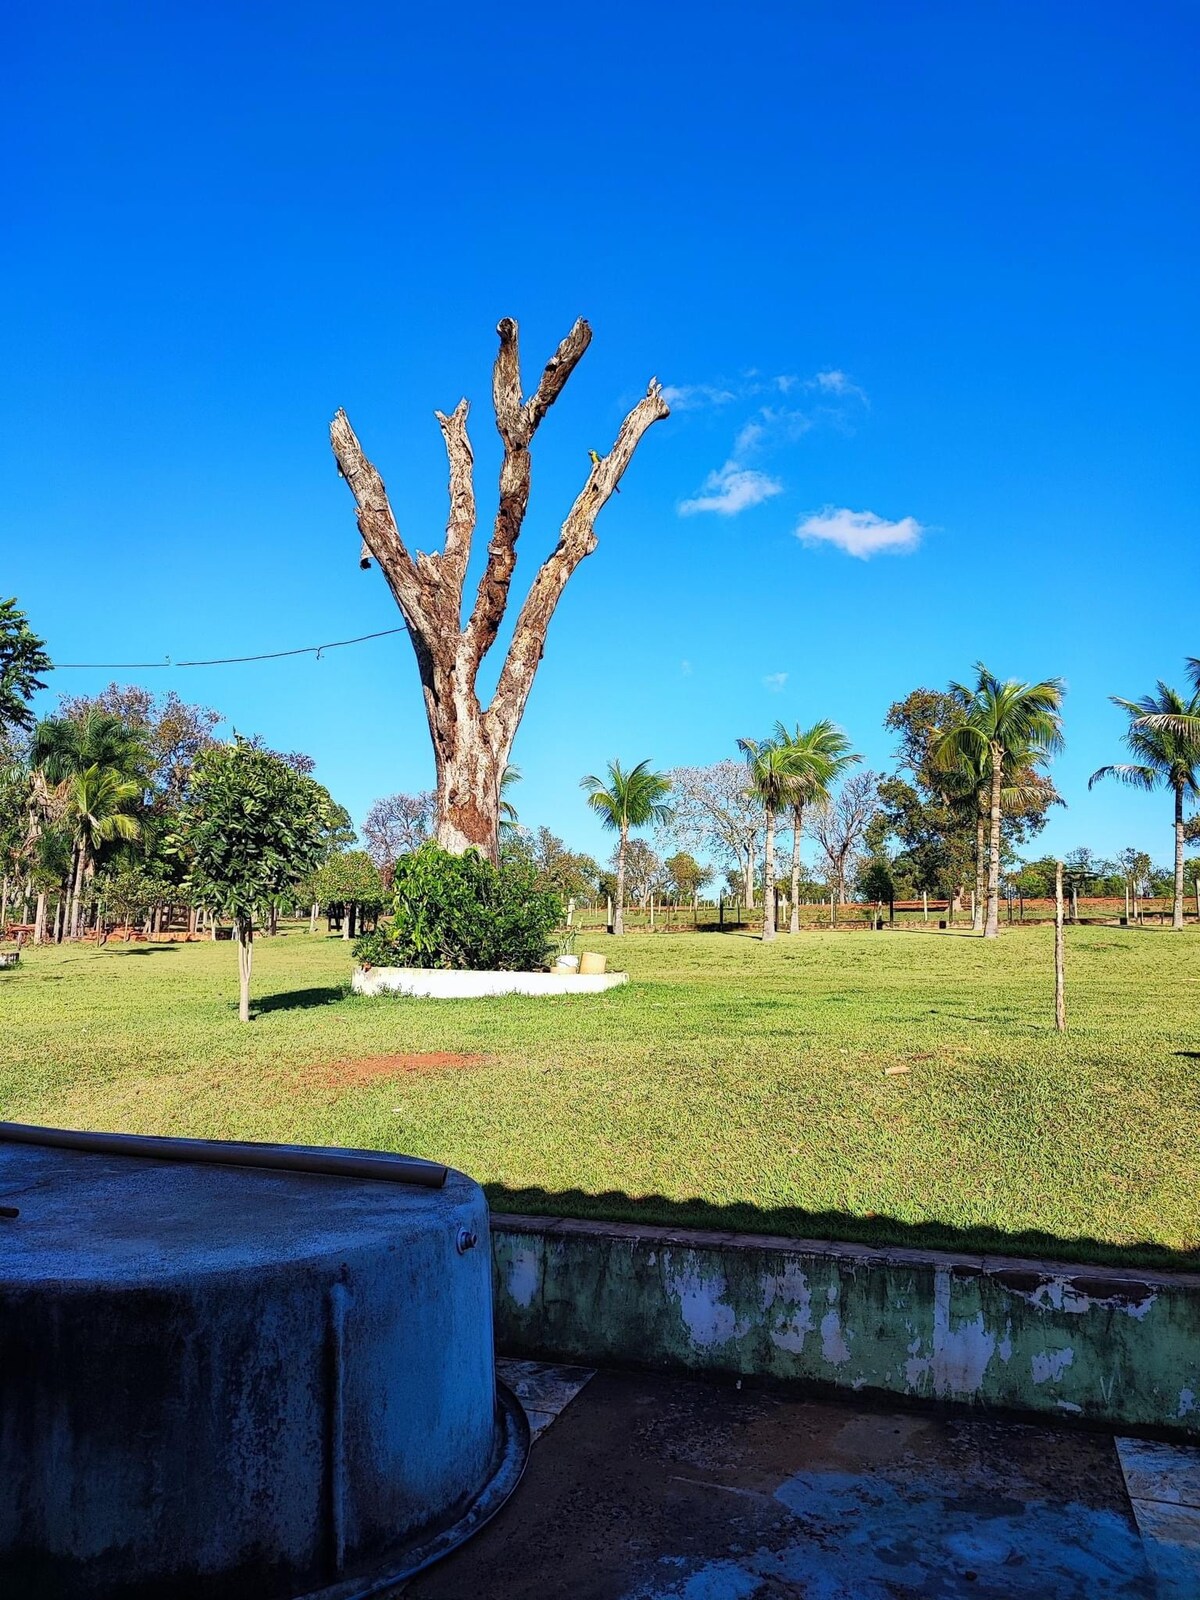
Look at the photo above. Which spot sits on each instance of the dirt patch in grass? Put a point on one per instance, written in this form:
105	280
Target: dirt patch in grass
349	1074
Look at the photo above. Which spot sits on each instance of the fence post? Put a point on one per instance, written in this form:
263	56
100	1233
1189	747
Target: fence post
1060	1000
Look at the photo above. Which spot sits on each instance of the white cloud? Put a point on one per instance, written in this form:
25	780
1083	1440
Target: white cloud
732	488
693	396
836	382
860	533
774	681
685	668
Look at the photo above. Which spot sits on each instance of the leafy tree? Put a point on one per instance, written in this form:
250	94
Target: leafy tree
875	880
686	877
1163	736
463	913
937	817
22	658
628	800
397	825
817	756
173	732
1008	728
567	873
128	892
348	878
252	827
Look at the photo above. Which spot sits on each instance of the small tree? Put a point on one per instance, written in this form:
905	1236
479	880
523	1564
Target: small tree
252	827
686	876
349	878
22	658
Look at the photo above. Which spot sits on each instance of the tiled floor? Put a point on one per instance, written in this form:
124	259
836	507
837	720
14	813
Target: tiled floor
648	1487
1163	1482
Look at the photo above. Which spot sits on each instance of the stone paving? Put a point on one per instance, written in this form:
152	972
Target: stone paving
656	1487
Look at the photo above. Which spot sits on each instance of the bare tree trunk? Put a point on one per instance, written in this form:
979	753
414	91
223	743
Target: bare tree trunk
977	900
244	933
992	926
748	876
39	923
77	890
312	917
4	905
768	930
619	907
471	744
1177	908
797	823
1060	1002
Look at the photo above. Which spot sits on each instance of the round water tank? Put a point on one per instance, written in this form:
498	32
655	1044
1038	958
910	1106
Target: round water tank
221	1380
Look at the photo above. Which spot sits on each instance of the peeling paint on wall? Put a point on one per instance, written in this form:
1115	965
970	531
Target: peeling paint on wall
1049	1367
931	1325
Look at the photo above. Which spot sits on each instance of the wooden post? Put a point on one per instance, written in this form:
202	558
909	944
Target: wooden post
925	903
721	911
1060	1001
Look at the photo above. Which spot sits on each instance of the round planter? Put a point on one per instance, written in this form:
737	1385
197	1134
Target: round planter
434	983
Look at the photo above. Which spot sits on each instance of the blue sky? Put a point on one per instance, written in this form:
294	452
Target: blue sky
921	279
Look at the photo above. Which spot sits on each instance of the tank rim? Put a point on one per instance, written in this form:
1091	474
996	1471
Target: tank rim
508	1467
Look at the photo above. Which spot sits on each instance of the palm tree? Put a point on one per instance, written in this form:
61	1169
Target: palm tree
628	800
65	751
1164	737
817	756
1008	728
774	783
95	802
508	811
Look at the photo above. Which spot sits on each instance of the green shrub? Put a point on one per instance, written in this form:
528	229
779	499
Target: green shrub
463	913
376	950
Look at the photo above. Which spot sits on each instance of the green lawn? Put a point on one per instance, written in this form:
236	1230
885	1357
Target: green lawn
730	1083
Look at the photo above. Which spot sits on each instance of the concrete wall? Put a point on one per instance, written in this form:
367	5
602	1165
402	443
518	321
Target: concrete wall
1112	1346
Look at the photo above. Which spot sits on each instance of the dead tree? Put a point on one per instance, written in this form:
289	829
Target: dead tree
471	743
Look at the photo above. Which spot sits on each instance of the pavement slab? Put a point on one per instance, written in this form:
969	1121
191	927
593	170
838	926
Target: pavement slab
659	1487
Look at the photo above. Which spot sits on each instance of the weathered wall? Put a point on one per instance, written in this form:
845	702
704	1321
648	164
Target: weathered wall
1112	1346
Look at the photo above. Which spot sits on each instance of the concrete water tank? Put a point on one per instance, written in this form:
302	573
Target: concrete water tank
242	1380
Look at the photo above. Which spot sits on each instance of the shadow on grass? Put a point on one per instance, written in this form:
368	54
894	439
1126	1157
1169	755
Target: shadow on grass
299	999
794	1222
140	949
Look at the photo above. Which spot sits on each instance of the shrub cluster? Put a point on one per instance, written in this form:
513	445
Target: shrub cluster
463	913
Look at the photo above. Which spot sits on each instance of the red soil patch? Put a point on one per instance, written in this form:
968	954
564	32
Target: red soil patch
338	1074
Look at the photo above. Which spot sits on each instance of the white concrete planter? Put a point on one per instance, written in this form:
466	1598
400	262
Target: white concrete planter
434	983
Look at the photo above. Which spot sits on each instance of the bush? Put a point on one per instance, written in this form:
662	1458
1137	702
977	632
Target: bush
463	913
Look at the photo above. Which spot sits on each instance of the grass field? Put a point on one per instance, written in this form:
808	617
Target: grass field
729	1084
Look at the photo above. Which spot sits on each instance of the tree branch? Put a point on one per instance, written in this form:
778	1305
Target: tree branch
461	525
576	540
517	422
377	525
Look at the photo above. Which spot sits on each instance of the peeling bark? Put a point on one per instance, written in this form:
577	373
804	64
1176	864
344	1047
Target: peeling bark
471	743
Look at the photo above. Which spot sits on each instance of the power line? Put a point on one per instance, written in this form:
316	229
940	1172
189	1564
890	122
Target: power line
219	661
